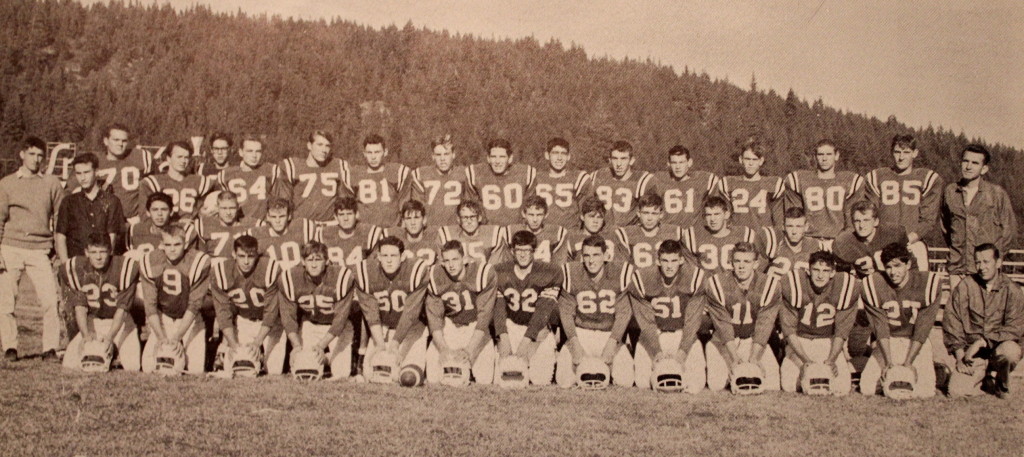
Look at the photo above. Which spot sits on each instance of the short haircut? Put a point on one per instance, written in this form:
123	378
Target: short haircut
670	247
174	230
592	204
279	203
906	141
745	246
826	142
595	241
524	238
535	201
556	142
865	206
88	158
374	138
226	195
621	146
988	247
651	201
250	137
895	251
453	245
321	133
794	212
247	244
99	240
499	143
34	142
179	144
825	257
978	149
412	206
221	136
679	150
716	201
755	146
313	247
159	197
391	241
444	140
109	128
346	203
471	204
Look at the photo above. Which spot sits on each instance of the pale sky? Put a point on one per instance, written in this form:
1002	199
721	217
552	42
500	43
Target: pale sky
955	63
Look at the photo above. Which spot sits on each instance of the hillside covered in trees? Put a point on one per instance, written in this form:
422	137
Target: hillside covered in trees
66	69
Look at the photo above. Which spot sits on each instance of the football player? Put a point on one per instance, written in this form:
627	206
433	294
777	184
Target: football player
185	189
501	185
527	294
244	292
380	187
282	236
617	186
901	304
413	233
480	241
742	304
712	243
669	309
220	155
682	188
440	186
550	237
311	185
175	278
824	193
215	233
859	249
639	243
100	287
907	196
792	250
148	234
756	199
121	170
818	308
561	187
251	180
593	222
594	309
350	240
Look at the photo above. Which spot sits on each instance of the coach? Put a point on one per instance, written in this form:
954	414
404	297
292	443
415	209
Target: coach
86	211
28	201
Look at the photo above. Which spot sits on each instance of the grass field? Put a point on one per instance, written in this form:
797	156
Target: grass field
45	410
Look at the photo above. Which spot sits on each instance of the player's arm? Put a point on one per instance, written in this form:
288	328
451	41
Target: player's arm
371	313
855	194
435	321
200	288
500	326
926	318
223	311
1007	221
623	313
643	312
879	323
721	318
410	315
765	322
546	305
289	311
567	314
841	328
696	308
788	320
928	210
61	229
792	197
485	300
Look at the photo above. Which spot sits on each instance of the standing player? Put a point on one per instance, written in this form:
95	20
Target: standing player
218	232
743	308
593	222
100	287
175	279
550	237
792	250
560	186
442	186
220	155
312	184
712	243
378	186
824	193
756	200
185	189
480	241
669	308
282	236
901	304
817	312
351	240
907	196
121	170
683	190
412	230
527	294
639	243
594	310
501	185
252	180
618	186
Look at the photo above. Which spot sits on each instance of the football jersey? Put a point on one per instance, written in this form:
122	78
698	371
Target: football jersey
669	300
379	192
311	188
574	242
907	312
518	296
810	313
252	186
550	243
321	301
826	201
352	247
180	285
755	204
640	247
562	191
911	200
186	194
423	247
285	248
144	236
595	301
217	237
248	295
715	253
618	194
103	292
124	176
480	245
461	299
210	168
684	198
440	192
392	293
501	195
784	256
855	254
739	313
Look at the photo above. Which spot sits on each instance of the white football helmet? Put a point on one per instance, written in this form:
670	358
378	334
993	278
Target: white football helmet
306	365
96	356
899	382
455	372
513	372
667	375
816	379
383	367
170	359
245	364
747	379
593	374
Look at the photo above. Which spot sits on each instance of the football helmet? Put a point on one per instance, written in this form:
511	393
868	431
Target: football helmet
513	372
747	379
667	375
306	365
455	372
898	383
96	356
816	379
245	364
593	374
383	367
170	359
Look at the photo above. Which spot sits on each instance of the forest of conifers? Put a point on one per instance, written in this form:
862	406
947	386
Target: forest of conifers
66	69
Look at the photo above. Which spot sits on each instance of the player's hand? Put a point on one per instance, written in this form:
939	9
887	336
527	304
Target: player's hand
834	367
912	238
865	265
176	347
460	355
608	356
680	357
504	348
964	366
318	351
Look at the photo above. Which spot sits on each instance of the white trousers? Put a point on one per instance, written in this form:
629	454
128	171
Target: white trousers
35	263
923	364
542	364
719	363
412	351
817	349
593	342
273	346
457	338
694	370
194	342
339	352
126	341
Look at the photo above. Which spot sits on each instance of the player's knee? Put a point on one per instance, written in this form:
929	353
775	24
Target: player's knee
1010	350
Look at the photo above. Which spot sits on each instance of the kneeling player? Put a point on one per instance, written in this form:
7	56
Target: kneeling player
101	288
669	308
595	309
901	304
817	311
244	294
175	279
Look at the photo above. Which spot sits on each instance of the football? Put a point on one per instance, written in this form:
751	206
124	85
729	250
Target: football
410	376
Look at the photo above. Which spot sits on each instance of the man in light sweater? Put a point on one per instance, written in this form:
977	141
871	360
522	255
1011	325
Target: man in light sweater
28	203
